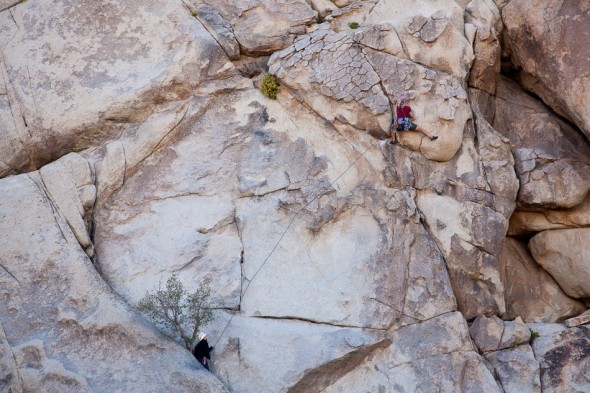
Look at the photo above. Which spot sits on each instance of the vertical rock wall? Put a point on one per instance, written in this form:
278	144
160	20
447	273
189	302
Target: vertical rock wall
135	144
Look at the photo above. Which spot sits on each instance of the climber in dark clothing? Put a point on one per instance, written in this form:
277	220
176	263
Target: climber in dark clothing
405	115
202	350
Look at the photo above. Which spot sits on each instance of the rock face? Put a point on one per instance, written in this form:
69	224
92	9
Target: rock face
135	144
79	79
81	322
549	43
564	357
530	291
569	266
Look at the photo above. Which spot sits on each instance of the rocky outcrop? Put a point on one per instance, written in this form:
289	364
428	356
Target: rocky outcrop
60	333
569	266
84	79
337	261
564	357
516	369
530	291
547	42
551	157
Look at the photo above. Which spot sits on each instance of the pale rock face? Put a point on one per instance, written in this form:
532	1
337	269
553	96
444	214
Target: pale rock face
516	369
463	229
564	357
569	265
531	222
428	31
332	234
530	292
345	81
486	20
552	158
549	42
9	372
77	82
430	356
60	333
493	334
269	355
259	27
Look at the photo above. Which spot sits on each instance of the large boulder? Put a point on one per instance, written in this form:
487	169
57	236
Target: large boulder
516	369
430	356
569	265
530	222
530	291
552	158
81	75
213	224
548	42
485	17
432	34
67	330
564	357
347	78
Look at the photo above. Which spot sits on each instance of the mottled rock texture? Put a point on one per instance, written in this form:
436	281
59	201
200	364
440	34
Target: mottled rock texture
135	143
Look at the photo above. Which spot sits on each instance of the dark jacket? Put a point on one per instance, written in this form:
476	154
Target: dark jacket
202	350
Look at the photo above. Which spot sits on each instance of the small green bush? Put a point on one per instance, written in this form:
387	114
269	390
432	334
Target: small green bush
177	312
270	86
534	334
353	25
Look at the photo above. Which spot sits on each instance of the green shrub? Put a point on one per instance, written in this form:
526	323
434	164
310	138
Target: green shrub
353	25
534	334
176	312
270	86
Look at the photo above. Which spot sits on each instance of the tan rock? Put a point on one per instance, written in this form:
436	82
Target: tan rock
487	333
565	254
579	320
485	16
564	357
530	292
433	34
548	42
552	158
531	222
74	85
436	353
517	369
67	329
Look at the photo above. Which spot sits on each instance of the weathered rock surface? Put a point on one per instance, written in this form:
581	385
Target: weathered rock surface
564	357
80	75
552	161
530	291
516	369
345	81
493	334
59	334
581	319
484	17
260	27
568	265
430	356
549	43
337	262
531	222
432	34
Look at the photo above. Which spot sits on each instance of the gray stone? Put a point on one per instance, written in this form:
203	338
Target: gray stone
487	333
569	265
564	357
516	369
530	291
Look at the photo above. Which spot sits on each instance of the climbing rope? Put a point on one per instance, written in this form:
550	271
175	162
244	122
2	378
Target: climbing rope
289	226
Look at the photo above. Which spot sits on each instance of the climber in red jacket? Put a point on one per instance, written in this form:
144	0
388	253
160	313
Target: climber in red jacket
405	115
